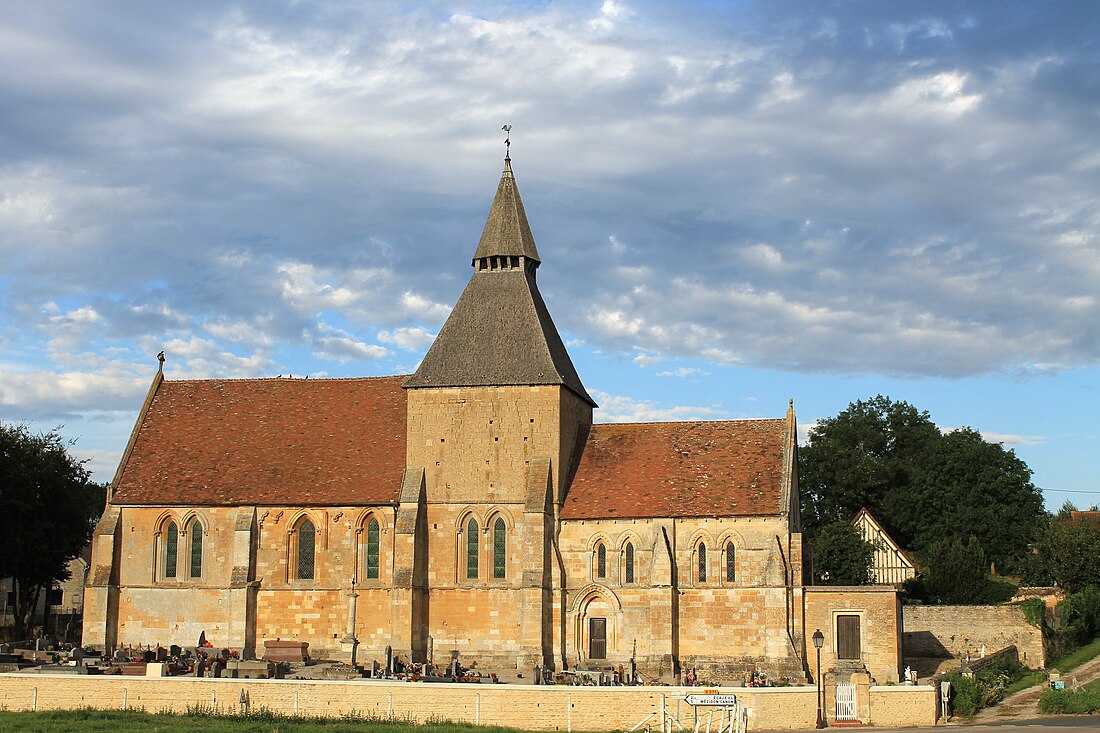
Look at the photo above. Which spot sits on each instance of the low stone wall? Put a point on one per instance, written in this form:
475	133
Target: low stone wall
520	706
960	631
903	705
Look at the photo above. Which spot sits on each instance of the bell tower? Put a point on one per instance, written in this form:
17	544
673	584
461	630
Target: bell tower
496	415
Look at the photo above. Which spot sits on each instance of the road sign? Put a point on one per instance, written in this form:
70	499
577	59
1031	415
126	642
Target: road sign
717	700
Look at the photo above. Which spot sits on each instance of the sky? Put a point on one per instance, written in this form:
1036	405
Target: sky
736	203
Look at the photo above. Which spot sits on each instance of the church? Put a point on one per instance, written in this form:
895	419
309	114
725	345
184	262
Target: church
472	507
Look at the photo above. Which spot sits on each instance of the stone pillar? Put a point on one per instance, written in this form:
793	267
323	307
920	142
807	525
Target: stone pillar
101	594
536	577
409	568
349	644
862	681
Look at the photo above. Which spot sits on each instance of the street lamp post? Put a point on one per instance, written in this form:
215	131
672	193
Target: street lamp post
819	641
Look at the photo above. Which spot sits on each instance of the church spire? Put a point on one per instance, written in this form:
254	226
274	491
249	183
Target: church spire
507	233
500	332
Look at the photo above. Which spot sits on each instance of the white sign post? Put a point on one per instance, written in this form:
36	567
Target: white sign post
731	718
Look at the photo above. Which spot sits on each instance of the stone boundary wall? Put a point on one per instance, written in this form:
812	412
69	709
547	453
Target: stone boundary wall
529	707
960	631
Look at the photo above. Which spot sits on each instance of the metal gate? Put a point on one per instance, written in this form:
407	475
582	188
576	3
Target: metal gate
845	702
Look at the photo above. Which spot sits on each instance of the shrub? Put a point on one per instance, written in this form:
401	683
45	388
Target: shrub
1067	701
987	688
1081	616
1035	612
965	696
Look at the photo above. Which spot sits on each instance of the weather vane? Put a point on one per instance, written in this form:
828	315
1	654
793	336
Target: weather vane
507	141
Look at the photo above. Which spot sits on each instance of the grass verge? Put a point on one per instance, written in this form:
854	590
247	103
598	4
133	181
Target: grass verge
130	721
1077	657
1031	678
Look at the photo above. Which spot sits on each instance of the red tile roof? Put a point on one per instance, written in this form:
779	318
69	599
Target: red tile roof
680	469
1091	517
269	441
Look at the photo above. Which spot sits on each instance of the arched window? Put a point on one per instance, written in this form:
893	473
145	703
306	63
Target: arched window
307	541
731	563
471	549
171	549
702	576
499	547
629	574
601	561
196	549
373	547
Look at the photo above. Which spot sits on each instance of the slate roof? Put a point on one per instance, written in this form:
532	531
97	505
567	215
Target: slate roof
681	469
268	441
506	229
500	332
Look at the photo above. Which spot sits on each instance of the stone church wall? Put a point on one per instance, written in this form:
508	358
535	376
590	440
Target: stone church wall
490	453
720	627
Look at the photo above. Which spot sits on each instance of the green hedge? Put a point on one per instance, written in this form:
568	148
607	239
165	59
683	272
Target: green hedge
1067	701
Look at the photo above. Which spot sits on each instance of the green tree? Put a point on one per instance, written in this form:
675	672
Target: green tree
1067	554
841	556
965	487
48	509
1067	509
921	484
859	458
956	573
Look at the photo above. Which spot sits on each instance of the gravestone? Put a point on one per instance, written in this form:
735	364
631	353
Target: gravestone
286	651
218	667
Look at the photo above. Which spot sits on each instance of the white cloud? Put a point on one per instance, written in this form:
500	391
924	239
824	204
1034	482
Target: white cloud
198	358
112	386
241	332
646	360
338	345
764	256
938	94
619	408
683	372
1013	440
410	339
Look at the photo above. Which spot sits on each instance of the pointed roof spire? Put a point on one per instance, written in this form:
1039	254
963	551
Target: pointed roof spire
500	332
506	230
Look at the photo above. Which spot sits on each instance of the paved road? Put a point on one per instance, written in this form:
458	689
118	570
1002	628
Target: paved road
1053	724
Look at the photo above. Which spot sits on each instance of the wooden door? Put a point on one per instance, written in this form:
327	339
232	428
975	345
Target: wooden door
847	637
597	638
